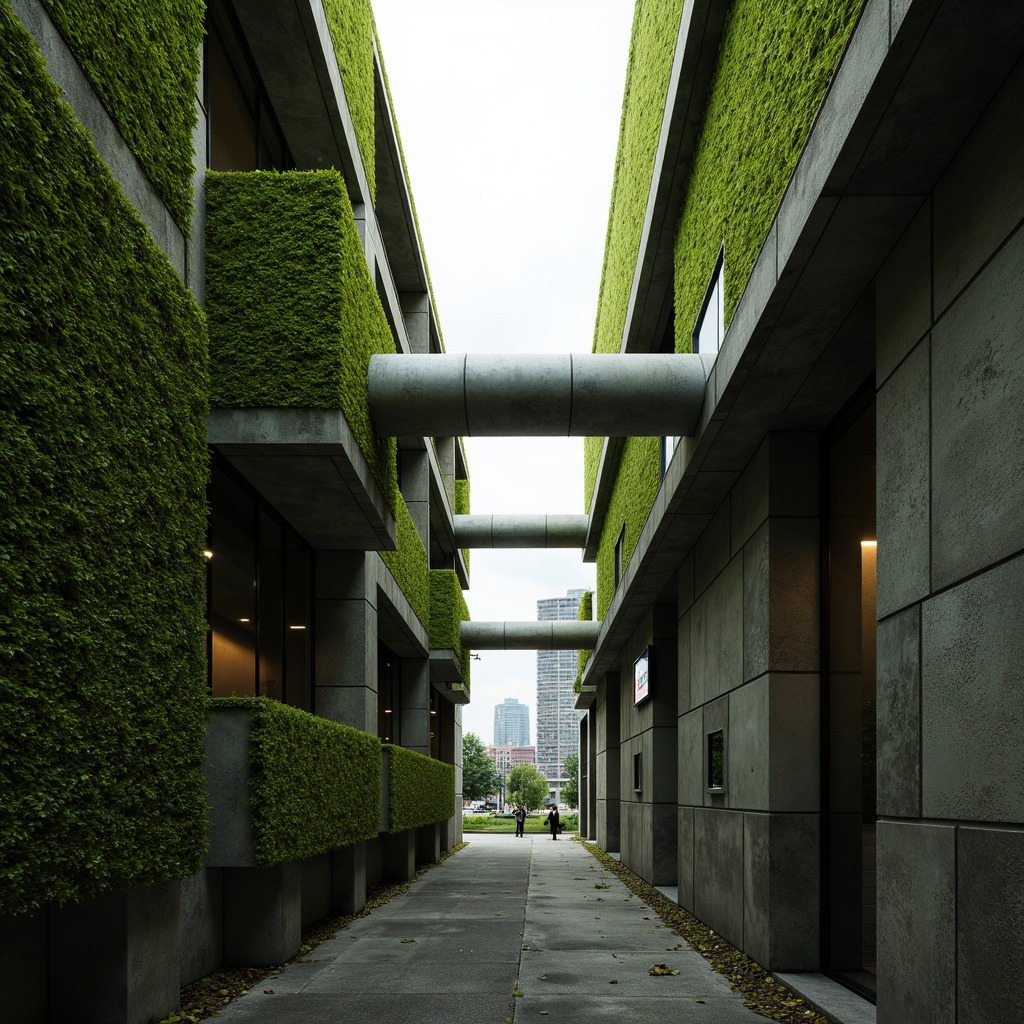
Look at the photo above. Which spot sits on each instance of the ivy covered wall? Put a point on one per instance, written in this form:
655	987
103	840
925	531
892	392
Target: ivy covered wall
421	790
103	467
448	610
142	60
408	563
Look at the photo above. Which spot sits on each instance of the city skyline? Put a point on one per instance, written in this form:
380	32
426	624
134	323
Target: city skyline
511	723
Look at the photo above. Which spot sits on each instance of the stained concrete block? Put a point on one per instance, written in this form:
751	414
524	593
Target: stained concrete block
660	774
684	846
201	924
316	888
748	747
903	484
903	296
685	584
346	642
977	454
23	967
990	923
227	788
794	599
794	732
690	740
348	879
749	504
972	699
262	914
756	887
756	607
793	892
716	630
399	855
718	871
342	576
979	200
428	844
898	715
712	550
117	956
350	705
636	838
664	844
684	692
916	923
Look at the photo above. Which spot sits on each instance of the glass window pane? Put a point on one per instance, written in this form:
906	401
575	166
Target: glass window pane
271	608
298	614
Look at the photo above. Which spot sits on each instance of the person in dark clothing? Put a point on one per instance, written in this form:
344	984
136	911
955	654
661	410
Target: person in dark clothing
520	816
553	822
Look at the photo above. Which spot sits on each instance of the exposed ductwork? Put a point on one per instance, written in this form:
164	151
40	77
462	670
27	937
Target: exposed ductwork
550	635
571	395
521	531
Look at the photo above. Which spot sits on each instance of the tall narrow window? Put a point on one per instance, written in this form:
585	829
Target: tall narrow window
619	544
710	329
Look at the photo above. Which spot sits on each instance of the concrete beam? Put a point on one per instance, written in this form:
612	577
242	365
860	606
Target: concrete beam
529	636
520	531
571	395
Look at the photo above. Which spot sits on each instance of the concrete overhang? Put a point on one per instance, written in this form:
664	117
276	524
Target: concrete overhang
910	87
308	465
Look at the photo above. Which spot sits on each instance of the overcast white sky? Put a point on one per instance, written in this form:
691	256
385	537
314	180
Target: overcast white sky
509	117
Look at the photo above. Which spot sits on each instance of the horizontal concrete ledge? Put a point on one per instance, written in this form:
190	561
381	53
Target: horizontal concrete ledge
523	531
570	395
837	1002
554	635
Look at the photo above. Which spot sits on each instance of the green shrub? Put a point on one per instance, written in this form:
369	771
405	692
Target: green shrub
586	614
448	610
143	62
316	784
408	563
421	790
103	468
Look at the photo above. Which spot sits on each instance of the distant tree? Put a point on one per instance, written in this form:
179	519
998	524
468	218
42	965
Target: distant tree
526	786
479	779
571	789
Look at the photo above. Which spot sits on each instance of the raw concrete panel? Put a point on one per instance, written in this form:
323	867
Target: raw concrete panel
749	499
718	871
794	887
664	844
903	296
226	742
794	714
756	608
690	737
980	199
903	484
749	747
916	923
794	599
977	440
201	924
712	551
684	693
262	914
898	715
660	774
756	888
23	967
973	700
399	856
684	846
717	632
316	889
348	879
990	923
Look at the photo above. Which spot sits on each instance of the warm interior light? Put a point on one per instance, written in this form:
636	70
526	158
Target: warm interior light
245	620
869	543
207	554
433	712
387	711
296	627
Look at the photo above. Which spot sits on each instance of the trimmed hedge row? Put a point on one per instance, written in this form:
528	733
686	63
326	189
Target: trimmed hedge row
316	784
103	468
352	33
408	563
777	59
461	507
293	313
586	614
652	47
421	790
143	62
447	610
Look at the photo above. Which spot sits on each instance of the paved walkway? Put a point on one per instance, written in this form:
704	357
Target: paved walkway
501	916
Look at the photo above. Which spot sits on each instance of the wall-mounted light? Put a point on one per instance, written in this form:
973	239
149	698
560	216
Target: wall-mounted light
296	627
869	543
387	711
245	620
207	554
433	712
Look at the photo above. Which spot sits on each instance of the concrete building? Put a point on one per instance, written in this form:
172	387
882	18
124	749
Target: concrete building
511	723
507	757
196	504
557	718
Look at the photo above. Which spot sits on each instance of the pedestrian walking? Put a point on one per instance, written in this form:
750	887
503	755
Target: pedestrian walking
520	816
553	821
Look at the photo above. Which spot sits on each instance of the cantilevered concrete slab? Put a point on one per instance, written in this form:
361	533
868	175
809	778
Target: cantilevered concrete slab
529	636
522	531
571	395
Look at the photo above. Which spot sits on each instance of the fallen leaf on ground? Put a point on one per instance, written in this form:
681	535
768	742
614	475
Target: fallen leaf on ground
660	970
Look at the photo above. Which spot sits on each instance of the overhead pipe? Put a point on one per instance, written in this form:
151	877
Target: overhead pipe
521	531
570	395
551	635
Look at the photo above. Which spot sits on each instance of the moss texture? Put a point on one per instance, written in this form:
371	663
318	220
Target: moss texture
586	614
143	62
461	507
293	313
421	790
776	61
447	610
408	563
352	32
651	49
103	467
315	784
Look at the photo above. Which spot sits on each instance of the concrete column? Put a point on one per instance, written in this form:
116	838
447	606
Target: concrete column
591	721
416	313
348	879
606	760
428	843
346	639
584	775
444	448
414	710
23	966
399	855
262	914
414	482
116	958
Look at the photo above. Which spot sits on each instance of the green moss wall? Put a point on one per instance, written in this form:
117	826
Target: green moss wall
421	790
103	467
143	62
652	47
408	563
776	61
585	614
447	610
352	32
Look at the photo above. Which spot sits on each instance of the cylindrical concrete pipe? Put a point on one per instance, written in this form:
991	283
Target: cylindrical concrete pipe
521	531
554	635
571	395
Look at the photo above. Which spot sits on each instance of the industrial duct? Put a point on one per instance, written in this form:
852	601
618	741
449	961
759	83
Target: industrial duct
521	531
552	635
571	395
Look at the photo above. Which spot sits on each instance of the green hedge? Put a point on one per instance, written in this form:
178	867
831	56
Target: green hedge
421	790
408	563
461	503
652	47
447	610
294	315
352	32
586	614
776	61
315	784
143	62
103	468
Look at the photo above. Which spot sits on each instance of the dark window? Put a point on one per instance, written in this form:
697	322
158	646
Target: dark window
716	760
710	328
638	772
619	544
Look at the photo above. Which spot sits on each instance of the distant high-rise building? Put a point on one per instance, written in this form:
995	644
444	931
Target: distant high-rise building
557	720
511	724
506	758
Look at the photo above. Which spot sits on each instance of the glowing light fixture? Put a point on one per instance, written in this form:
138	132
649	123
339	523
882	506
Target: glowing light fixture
207	554
869	543
296	627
